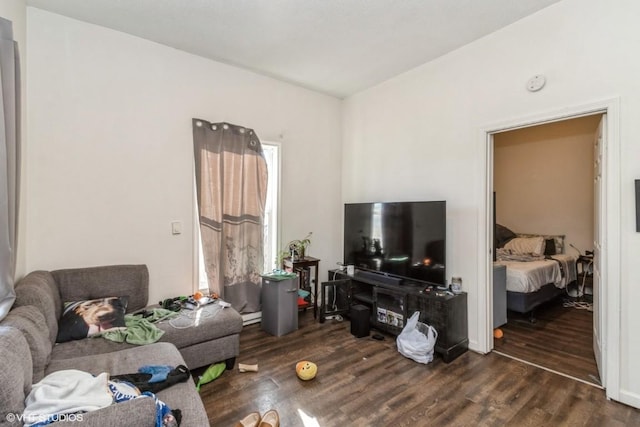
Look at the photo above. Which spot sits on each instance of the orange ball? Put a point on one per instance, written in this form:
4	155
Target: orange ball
198	295
497	333
306	370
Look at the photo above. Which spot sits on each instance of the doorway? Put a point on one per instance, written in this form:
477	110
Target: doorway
607	214
543	185
554	163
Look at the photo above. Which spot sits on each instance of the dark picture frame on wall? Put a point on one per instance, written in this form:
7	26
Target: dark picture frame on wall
638	205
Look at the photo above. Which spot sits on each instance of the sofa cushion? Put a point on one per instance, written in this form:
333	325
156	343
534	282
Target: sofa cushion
188	333
40	290
207	324
82	319
86	347
181	396
30	321
100	282
15	371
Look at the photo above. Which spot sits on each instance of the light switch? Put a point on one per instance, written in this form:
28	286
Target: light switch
176	227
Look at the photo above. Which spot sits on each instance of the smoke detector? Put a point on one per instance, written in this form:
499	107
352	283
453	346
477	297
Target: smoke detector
536	83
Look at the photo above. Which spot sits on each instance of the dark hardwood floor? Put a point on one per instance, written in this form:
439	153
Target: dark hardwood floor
364	382
561	339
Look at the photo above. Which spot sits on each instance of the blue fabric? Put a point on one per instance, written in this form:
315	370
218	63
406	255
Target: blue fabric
123	391
161	408
158	372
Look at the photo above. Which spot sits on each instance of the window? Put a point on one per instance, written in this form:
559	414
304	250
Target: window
271	212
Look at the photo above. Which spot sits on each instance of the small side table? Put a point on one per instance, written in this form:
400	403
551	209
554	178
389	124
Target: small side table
302	263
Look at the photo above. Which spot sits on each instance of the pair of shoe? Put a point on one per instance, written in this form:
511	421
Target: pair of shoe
269	419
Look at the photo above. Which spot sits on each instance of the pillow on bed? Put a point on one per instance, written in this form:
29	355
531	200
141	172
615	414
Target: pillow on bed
558	240
526	245
503	235
549	247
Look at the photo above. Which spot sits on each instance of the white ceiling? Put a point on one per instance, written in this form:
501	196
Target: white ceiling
337	47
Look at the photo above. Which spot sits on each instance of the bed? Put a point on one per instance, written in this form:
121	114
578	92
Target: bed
537	271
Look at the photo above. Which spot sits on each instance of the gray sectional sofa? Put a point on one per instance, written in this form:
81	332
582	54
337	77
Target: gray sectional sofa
29	352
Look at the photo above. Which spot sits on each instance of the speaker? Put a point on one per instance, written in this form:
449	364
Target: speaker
378	277
360	320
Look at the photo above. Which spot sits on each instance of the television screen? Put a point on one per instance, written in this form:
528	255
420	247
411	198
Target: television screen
404	239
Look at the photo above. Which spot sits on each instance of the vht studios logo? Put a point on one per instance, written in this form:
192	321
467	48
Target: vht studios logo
12	417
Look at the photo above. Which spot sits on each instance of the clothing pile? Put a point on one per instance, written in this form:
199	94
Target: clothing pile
63	393
140	328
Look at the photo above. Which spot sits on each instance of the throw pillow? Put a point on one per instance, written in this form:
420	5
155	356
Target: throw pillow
82	319
503	235
549	247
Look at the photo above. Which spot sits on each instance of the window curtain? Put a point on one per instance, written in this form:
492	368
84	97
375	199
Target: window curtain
231	187
9	162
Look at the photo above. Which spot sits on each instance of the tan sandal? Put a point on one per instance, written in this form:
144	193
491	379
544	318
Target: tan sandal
250	420
270	419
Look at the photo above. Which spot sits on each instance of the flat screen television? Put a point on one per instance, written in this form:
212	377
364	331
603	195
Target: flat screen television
401	239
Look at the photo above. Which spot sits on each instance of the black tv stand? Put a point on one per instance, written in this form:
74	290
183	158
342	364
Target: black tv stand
391	304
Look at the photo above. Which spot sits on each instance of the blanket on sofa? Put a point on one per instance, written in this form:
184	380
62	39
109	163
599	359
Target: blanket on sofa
65	392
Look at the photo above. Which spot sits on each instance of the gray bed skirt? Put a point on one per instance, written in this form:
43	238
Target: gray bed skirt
524	303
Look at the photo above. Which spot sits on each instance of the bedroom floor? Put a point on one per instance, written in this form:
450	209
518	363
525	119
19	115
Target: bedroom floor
561	339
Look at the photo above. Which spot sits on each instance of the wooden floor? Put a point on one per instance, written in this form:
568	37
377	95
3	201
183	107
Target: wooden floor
364	382
560	339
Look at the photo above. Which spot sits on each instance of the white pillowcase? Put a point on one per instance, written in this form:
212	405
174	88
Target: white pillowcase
526	245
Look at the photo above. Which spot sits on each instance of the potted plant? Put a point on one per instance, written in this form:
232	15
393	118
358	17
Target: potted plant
296	249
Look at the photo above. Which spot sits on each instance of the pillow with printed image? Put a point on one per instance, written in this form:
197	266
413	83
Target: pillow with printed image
82	319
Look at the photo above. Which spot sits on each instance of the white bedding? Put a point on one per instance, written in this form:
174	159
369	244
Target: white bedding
530	276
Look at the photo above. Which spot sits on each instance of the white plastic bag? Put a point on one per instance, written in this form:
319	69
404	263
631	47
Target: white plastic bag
417	340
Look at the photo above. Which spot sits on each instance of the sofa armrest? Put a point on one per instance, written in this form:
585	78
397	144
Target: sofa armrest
140	412
107	281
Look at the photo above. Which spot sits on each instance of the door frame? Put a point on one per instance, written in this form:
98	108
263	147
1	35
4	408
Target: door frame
609	219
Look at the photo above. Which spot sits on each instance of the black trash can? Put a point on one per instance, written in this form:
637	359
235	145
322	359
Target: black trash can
360	320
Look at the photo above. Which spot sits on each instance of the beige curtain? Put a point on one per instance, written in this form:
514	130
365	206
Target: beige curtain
9	162
231	184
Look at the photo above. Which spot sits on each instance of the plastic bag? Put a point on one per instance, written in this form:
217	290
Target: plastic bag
417	340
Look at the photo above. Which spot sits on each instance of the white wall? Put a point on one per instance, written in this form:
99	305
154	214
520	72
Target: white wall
111	153
543	180
418	136
16	12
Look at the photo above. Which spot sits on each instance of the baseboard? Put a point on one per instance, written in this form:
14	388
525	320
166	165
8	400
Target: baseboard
251	318
473	346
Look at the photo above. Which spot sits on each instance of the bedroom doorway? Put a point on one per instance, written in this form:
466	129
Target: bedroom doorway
604	228
554	162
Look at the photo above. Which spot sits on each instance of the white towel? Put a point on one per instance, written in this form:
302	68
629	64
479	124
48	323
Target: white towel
66	392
